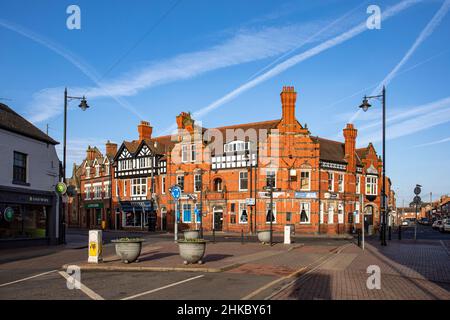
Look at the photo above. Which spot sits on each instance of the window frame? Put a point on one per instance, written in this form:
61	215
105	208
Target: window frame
196	175
308	212
242	207
309	180
242	179
332	181
23	178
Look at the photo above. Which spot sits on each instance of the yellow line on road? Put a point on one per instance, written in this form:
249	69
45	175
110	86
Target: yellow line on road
91	294
161	288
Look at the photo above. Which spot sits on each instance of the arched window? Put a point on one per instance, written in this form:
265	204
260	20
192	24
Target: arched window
218	187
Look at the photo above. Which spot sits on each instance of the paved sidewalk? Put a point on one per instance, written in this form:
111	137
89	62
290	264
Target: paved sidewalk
409	271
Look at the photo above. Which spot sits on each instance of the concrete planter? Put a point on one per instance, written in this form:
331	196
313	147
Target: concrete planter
128	250
191	234
192	251
264	236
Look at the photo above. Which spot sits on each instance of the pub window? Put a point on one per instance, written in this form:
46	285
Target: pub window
305	180
218	185
305	214
371	185
330	181
271	213
341	182
243	215
180	182
20	167
187	212
243	181
197	183
193	153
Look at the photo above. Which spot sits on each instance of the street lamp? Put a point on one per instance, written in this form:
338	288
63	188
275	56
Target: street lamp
83	106
365	106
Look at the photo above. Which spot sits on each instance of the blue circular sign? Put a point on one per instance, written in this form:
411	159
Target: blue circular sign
175	191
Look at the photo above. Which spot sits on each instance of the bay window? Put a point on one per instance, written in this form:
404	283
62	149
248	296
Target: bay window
139	187
371	185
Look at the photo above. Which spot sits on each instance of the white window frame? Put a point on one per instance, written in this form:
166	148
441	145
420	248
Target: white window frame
97	170
267	173
241	178
274	212
117	188
321	213
309	180
184	153
195	182
87	191
193	153
241	208
182	213
88	172
341	183
341	213
107	188
358	184
330	214
184	182
163	184
373	182
139	183
308	212
97	190
124	188
332	181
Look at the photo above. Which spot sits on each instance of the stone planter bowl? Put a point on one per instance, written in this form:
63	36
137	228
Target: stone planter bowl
264	236
192	251
128	250
191	234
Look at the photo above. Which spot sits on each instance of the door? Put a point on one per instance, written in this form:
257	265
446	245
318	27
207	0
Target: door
163	219
368	218
218	220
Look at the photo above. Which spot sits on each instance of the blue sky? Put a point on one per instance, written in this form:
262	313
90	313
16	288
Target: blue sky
229	60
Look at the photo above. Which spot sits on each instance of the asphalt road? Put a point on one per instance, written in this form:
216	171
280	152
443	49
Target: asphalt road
423	233
36	274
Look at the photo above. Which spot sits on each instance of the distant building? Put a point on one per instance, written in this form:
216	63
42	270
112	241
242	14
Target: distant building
29	171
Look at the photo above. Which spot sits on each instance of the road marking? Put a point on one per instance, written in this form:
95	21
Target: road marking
91	294
27	278
162	288
445	247
293	274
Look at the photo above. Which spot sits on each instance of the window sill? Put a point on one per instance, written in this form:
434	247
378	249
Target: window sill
21	183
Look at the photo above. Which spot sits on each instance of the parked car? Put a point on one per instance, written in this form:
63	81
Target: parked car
425	221
445	226
436	224
405	223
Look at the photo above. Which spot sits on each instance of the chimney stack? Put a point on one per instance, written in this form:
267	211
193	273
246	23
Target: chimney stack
185	121
145	130
111	148
90	153
350	134
288	98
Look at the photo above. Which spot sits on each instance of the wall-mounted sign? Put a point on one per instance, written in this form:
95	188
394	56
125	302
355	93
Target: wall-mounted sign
263	194
305	195
250	201
61	188
8	215
97	205
330	195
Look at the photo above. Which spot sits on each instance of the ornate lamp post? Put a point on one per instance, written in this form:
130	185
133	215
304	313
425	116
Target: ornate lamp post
83	106
365	106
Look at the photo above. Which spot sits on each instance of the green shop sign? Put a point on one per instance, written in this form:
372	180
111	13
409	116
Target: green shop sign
61	188
93	205
8	214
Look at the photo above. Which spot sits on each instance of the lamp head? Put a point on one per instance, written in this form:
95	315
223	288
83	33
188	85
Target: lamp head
365	104
83	104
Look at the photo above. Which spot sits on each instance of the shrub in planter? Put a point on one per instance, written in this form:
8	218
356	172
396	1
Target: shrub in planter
191	234
128	249
193	250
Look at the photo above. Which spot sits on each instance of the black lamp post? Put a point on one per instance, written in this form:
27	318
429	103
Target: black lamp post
365	106
83	105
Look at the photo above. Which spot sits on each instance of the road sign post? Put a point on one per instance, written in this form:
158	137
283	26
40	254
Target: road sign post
175	191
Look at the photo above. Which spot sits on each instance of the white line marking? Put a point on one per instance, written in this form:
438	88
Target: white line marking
162	288
91	294
27	278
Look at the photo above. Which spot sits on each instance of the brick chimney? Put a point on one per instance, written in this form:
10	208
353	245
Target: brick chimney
111	148
288	98
185	121
350	134
145	130
90	153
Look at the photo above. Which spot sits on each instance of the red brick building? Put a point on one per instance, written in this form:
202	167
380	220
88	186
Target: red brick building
323	186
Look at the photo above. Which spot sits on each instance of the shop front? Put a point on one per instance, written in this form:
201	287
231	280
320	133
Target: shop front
138	215
94	214
27	216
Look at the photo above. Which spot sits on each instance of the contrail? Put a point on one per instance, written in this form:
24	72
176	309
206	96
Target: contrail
287	64
69	56
426	32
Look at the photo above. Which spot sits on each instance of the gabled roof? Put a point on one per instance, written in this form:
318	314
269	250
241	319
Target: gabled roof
12	121
333	151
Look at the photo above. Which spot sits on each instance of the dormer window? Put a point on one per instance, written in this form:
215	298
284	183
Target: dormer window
236	146
97	170
88	172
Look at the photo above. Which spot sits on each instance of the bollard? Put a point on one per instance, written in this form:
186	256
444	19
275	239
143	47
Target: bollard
359	237
390	233
242	236
214	235
400	232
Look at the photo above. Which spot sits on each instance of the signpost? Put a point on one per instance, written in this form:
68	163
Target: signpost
417	201
175	191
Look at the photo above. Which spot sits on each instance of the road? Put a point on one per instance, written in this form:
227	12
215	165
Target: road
423	233
37	274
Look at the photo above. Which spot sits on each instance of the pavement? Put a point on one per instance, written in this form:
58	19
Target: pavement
309	268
